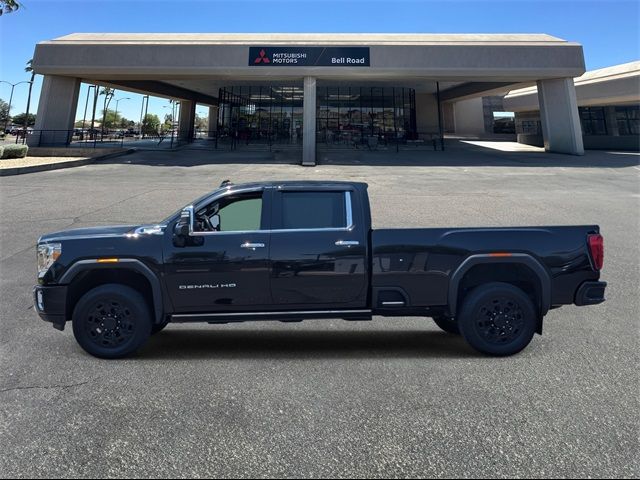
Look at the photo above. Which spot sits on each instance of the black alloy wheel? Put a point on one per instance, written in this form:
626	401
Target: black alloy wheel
111	321
497	319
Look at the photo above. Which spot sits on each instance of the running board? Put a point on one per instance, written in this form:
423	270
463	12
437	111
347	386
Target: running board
286	316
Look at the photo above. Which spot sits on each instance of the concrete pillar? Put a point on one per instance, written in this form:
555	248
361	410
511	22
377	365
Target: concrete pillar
448	117
187	120
56	111
213	121
426	113
469	117
559	116
309	122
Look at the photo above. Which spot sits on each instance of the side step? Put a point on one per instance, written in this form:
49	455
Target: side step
284	316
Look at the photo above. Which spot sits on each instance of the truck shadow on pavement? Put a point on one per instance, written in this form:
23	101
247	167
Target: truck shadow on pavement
258	344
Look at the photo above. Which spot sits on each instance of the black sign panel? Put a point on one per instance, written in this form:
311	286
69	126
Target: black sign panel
309	56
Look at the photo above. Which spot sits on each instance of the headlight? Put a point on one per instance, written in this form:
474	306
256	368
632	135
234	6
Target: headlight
48	253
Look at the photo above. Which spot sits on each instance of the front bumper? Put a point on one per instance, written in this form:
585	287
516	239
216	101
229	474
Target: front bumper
590	293
51	304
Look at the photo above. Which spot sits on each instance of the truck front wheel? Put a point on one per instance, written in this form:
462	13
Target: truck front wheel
111	321
497	319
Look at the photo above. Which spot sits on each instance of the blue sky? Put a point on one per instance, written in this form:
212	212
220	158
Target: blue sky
608	29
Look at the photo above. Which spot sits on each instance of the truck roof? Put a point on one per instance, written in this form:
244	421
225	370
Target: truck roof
297	183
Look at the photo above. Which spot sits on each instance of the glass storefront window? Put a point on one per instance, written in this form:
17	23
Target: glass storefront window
628	119
592	120
344	114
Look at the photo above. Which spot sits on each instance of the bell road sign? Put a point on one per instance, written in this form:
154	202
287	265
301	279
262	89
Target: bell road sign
309	56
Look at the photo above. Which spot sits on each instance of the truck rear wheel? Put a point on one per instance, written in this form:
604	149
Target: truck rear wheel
447	324
497	319
111	321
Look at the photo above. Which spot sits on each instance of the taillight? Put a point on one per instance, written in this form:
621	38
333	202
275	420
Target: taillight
596	249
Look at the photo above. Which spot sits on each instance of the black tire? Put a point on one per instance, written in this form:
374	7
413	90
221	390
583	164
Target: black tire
447	324
497	319
158	327
111	321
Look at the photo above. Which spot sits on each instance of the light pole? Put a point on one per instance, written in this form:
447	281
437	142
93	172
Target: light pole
116	118
202	116
124	98
13	85
172	105
86	104
145	99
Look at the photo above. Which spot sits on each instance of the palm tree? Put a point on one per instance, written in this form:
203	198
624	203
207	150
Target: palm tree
29	69
8	6
108	95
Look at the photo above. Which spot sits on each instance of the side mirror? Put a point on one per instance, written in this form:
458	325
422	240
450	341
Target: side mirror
184	226
181	229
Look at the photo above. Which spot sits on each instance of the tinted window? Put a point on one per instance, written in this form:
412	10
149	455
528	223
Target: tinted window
243	215
313	210
232	213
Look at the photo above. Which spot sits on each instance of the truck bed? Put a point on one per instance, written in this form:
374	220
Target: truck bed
422	261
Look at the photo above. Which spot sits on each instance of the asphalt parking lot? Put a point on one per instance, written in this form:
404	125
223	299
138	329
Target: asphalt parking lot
387	398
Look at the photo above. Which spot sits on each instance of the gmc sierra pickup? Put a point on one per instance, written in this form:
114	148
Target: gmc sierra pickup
291	251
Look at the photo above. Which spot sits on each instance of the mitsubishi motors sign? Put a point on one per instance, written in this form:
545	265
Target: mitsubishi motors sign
309	56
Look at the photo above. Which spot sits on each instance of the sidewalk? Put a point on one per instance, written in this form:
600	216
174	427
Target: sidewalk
18	166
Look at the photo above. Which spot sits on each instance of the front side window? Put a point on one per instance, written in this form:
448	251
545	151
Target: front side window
310	210
233	213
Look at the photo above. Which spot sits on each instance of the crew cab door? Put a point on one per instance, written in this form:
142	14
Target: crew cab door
224	266
318	249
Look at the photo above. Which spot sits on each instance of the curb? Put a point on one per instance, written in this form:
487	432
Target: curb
5	172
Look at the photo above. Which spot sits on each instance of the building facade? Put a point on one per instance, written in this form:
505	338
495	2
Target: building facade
310	89
608	107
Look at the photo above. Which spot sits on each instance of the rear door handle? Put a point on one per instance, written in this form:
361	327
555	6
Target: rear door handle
252	246
347	243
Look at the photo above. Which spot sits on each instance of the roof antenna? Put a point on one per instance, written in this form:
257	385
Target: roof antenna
226	183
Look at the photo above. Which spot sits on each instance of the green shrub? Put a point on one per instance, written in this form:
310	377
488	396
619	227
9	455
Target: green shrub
1	150
14	151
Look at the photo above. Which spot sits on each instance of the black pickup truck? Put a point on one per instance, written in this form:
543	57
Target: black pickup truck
291	251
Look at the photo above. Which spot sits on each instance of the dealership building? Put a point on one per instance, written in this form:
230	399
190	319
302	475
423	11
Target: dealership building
310	89
608	108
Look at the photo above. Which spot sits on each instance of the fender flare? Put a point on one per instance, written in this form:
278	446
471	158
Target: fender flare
122	264
515	258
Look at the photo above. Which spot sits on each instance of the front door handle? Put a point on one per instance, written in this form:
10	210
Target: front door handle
252	246
347	243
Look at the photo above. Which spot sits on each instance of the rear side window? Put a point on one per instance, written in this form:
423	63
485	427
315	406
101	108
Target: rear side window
304	210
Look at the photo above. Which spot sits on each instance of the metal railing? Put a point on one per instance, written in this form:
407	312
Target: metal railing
388	140
226	140
95	139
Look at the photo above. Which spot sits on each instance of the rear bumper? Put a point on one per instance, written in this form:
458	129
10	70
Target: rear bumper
590	293
51	304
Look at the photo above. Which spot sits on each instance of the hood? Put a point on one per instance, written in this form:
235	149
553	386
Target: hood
91	232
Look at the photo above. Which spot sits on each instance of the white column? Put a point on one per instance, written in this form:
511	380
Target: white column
309	122
187	120
56	111
559	116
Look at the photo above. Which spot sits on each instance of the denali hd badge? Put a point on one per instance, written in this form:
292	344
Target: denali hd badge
207	285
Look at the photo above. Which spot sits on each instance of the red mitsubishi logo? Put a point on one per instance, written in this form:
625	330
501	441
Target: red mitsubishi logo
262	58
